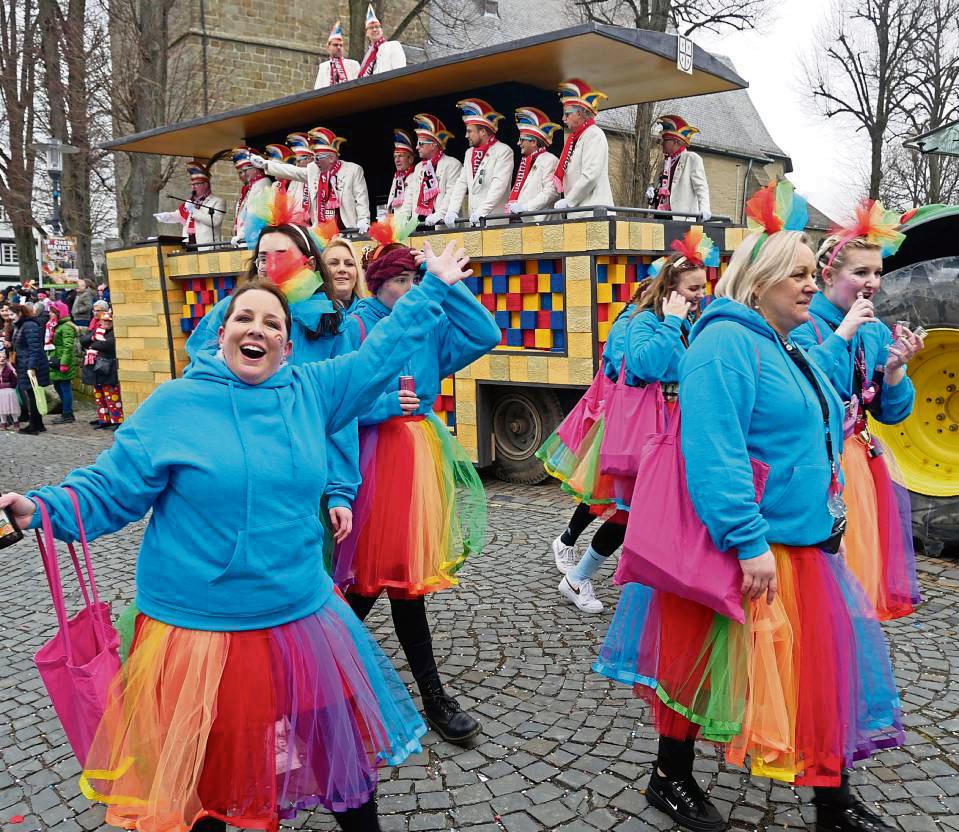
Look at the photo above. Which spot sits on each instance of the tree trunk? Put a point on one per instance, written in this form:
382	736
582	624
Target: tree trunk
357	31
875	163
935	179
642	155
26	251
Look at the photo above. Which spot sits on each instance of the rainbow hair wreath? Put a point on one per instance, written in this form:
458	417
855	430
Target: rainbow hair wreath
775	208
396	228
697	248
874	224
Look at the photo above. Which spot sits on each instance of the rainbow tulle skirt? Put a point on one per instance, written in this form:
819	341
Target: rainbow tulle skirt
802	689
578	469
248	727
879	548
419	513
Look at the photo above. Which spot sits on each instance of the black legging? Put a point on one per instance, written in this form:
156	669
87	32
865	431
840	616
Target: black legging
363	819
412	630
608	538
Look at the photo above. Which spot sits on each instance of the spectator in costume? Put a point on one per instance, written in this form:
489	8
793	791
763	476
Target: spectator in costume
202	214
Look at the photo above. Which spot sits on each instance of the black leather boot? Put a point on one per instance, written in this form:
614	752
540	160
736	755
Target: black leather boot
208	824
444	713
852	818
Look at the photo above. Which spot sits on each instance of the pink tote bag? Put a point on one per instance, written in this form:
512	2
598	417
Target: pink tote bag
667	547
631	414
78	664
583	416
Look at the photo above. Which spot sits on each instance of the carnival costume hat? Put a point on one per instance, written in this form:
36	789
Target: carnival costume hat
278	153
403	141
696	248
336	33
324	140
371	18
775	208
872	223
241	157
535	124
391	256
577	92
299	143
479	112
198	171
676	127
429	127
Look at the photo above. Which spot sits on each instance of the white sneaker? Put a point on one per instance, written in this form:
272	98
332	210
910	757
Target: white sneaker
582	595
565	556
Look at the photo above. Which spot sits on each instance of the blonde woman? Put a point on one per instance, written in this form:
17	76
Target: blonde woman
344	268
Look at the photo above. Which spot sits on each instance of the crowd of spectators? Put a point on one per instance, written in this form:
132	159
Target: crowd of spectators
51	337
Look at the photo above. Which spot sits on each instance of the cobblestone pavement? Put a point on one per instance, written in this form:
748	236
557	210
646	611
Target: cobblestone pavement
562	748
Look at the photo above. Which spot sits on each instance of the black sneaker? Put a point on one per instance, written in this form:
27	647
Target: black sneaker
448	719
685	802
94	422
854	818
28	431
65	419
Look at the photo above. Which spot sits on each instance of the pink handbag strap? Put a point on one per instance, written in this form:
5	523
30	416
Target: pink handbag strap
51	568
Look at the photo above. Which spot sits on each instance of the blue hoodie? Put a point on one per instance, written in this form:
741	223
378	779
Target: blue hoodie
615	349
234	474
655	346
344	449
465	332
836	356
743	397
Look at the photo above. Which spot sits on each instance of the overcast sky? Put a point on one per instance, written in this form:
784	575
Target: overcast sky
830	160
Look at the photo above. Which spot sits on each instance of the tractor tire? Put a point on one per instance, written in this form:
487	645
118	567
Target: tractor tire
522	420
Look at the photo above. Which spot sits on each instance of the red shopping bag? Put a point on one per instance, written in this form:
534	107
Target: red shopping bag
78	664
667	547
631	414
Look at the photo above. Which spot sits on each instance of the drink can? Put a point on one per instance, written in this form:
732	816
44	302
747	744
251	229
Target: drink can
10	532
408	383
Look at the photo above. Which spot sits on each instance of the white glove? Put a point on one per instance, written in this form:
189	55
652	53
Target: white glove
363	226
516	207
190	208
450	218
475	218
257	161
432	219
707	214
562	205
650	192
238	240
167	216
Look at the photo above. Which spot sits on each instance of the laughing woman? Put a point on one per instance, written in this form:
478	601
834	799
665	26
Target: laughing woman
240	626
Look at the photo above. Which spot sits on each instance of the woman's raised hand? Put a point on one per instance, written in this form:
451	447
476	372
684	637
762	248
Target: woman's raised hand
676	305
450	266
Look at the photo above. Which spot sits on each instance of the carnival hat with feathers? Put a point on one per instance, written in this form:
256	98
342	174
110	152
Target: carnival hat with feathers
198	171
371	17
479	112
534	123
428	126
697	248
278	153
872	223
396	228
775	208
299	143
403	141
336	33
575	91
324	140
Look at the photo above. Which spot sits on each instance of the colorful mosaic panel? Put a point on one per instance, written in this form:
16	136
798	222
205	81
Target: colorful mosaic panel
445	405
527	298
202	294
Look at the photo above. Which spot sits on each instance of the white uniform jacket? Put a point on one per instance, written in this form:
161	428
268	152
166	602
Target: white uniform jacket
389	56
447	172
349	184
486	192
587	175
689	190
538	190
206	228
323	76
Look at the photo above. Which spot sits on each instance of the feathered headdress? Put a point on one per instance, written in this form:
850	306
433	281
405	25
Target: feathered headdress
697	248
396	228
270	206
775	208
291	272
322	233
656	267
874	224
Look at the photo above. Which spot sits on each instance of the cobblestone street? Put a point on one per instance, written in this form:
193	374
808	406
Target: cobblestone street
562	748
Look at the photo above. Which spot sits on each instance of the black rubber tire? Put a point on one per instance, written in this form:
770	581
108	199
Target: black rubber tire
521	420
926	293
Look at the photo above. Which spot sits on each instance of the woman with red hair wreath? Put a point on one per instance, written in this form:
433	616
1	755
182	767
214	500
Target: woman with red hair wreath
421	509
